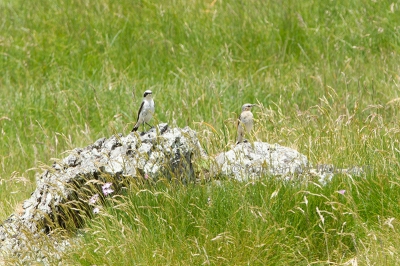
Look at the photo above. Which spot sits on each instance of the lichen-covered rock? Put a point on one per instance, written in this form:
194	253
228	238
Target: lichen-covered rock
159	152
249	160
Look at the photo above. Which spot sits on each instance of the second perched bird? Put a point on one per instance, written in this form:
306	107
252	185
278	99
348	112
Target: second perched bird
245	122
146	110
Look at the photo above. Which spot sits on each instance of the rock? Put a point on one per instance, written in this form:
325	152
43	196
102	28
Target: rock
250	160
57	200
68	190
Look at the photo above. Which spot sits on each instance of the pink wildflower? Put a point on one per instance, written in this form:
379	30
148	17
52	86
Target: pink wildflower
342	191
94	199
107	189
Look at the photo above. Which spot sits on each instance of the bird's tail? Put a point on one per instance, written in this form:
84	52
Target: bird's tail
239	138
135	128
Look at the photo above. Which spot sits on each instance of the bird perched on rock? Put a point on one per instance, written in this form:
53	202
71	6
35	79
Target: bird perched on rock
245	122
146	110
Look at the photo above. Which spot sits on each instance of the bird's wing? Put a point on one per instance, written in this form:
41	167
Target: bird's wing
239	120
140	110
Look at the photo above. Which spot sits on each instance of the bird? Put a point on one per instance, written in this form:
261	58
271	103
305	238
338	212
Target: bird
146	110
245	122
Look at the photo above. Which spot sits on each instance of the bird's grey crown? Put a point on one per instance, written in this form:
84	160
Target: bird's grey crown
247	105
147	93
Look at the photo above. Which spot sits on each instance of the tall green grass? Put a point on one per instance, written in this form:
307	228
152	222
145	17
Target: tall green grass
325	74
266	222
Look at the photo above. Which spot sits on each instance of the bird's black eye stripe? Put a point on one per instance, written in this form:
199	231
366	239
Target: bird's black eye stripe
146	93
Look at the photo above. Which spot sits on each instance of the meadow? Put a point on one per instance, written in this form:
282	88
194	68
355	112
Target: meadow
326	75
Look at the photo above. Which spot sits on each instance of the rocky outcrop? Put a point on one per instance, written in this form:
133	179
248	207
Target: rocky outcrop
67	191
251	160
63	191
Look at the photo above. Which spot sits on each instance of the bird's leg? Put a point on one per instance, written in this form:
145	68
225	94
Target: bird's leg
142	133
150	126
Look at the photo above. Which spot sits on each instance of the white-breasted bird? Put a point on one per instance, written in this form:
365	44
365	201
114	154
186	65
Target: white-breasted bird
245	122
146	110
